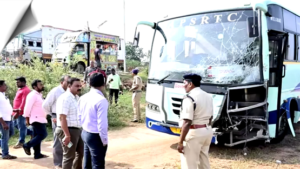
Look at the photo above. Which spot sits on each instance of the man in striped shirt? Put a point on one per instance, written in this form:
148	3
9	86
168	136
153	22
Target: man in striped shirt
68	127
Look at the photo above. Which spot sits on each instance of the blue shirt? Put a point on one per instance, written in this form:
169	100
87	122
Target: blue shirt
92	113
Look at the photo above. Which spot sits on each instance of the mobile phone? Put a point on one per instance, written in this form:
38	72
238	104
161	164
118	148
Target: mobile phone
69	145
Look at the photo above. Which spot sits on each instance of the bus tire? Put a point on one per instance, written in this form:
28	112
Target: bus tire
282	131
80	68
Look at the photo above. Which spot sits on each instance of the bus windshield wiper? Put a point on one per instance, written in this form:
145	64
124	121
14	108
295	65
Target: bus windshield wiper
161	80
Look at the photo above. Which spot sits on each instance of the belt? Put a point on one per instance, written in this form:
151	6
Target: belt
69	127
197	126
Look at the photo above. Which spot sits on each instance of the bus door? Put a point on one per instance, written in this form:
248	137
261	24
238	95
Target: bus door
277	48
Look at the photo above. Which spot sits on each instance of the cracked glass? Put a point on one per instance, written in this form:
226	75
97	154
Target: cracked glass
215	46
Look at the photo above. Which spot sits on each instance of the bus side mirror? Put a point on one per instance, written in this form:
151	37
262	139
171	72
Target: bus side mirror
136	40
251	27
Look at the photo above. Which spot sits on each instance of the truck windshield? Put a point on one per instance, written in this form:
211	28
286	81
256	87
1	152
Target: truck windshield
215	46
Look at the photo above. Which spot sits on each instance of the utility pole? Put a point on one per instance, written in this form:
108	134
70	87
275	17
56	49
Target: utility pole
102	24
88	44
124	38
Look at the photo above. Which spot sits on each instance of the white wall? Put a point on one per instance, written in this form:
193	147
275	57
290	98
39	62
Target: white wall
51	38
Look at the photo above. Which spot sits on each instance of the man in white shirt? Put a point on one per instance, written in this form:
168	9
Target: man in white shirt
49	106
6	127
68	127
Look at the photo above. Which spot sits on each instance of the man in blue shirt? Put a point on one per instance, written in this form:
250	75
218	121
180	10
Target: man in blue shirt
92	115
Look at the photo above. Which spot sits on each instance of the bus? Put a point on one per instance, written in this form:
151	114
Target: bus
76	48
248	58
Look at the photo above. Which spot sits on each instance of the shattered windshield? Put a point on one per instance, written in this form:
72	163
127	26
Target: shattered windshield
214	45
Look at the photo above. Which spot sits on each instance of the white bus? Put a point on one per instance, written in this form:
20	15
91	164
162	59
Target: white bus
248	58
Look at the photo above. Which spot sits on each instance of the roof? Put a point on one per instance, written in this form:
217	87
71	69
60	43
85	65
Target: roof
57	28
242	5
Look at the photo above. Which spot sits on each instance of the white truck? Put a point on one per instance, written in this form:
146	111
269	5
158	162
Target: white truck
42	42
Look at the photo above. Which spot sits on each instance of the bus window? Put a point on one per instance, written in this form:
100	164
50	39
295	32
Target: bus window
273	52
298	48
291	47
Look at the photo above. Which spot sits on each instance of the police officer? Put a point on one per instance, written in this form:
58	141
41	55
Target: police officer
195	119
136	96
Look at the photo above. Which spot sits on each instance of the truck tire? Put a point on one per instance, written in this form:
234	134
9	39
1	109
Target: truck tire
282	130
80	68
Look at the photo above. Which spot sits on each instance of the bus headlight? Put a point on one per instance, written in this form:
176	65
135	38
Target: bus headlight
153	107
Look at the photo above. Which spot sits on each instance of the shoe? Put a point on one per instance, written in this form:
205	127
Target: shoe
41	156
18	145
9	157
27	150
134	121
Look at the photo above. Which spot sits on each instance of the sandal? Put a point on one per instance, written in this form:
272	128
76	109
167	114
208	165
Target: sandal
9	157
41	156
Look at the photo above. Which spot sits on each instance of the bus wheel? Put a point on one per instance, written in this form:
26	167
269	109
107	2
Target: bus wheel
282	129
80	68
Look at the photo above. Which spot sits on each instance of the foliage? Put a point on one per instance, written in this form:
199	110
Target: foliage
133	53
49	73
131	64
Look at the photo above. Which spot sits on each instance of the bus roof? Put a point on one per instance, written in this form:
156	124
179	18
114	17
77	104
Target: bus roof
242	5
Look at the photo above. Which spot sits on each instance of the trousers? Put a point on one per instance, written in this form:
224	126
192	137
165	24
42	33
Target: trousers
72	157
196	149
112	93
39	134
5	135
94	151
57	148
136	98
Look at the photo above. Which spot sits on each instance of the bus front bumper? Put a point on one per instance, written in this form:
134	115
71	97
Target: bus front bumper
168	128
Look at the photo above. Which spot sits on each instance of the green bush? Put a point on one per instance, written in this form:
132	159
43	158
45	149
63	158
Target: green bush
131	64
49	73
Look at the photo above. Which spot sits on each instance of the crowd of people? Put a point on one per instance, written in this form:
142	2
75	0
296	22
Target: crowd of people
79	124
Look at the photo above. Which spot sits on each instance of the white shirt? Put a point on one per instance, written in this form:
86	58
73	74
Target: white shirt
5	108
203	111
92	113
49	105
67	104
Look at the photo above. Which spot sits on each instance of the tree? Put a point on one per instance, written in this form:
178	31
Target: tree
133	53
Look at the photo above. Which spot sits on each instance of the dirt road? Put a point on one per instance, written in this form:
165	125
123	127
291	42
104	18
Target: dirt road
131	147
138	147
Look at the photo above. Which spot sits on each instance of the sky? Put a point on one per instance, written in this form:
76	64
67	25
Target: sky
74	14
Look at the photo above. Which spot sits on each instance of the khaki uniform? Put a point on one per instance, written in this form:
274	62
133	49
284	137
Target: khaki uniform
197	141
136	97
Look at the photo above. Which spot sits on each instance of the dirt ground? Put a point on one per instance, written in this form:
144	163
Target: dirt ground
138	147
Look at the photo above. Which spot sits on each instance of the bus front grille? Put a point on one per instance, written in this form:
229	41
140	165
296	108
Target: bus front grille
176	105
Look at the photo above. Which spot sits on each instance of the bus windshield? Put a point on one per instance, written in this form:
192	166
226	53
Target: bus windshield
215	46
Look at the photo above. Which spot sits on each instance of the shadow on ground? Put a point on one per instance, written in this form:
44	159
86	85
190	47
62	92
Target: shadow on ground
286	151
